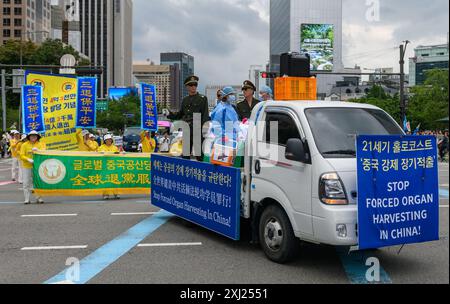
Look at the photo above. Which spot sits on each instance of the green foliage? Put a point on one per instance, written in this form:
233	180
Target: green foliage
115	118
429	102
48	53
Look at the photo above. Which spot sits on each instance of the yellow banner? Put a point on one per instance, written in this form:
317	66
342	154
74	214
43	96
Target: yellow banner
60	103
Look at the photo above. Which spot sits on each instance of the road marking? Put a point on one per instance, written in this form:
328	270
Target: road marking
443	193
170	245
100	259
134	213
54	248
444	185
355	267
49	215
443	206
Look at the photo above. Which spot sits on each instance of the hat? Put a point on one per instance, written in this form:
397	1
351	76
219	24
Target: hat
108	137
24	136
85	132
266	89
248	85
191	80
13	132
227	91
34	133
91	136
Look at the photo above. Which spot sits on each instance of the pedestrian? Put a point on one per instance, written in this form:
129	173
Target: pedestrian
164	143
13	150
246	107
109	147
443	146
148	142
4	146
85	144
265	93
23	140
193	104
27	151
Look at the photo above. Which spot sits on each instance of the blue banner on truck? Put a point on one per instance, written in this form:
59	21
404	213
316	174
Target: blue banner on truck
398	190
202	193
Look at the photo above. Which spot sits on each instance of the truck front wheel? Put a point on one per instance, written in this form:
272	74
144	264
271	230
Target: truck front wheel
277	236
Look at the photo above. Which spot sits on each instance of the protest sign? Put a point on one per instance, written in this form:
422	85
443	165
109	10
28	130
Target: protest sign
398	190
88	174
32	109
202	193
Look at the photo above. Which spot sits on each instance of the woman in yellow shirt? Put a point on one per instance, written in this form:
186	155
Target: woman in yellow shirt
148	142
26	156
15	161
109	147
18	147
84	142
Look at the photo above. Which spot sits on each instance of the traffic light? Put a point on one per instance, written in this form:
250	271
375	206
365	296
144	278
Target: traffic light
269	75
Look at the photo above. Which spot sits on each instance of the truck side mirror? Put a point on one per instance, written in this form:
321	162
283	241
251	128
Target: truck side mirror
295	150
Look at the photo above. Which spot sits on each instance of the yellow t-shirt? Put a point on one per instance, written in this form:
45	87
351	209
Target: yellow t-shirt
89	146
148	144
26	153
13	147
110	149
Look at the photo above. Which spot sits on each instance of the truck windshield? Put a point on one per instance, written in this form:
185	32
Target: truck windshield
132	131
335	129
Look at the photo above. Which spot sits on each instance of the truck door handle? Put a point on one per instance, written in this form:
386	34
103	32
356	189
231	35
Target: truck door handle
258	167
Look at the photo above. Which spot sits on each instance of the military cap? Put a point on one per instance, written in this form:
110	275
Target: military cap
248	85
191	80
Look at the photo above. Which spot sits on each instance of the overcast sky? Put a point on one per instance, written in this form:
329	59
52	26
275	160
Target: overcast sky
226	37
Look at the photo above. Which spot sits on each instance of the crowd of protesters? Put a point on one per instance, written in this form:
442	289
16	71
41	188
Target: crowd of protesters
442	140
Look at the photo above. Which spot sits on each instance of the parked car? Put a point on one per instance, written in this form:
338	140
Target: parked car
131	139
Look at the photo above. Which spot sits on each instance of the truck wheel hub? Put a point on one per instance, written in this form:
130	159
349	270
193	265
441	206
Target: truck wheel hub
273	234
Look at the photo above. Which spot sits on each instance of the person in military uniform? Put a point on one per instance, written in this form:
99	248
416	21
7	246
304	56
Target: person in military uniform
192	104
246	107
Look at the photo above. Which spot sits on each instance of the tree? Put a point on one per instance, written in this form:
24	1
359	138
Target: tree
379	98
121	113
51	51
11	50
429	102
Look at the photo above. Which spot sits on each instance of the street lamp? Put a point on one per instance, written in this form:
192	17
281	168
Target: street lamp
21	43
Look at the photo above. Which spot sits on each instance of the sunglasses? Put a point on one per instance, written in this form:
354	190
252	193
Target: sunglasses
192	85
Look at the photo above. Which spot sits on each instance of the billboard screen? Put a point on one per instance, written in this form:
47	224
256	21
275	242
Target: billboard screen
318	41
118	93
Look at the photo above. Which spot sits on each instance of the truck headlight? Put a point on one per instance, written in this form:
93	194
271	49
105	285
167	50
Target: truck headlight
331	190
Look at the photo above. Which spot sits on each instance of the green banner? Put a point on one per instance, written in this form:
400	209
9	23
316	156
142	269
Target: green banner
91	174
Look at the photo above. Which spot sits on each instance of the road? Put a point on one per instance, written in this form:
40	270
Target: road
129	241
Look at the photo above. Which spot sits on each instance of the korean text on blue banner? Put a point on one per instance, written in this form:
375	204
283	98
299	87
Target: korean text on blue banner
149	107
86	103
32	109
201	193
398	190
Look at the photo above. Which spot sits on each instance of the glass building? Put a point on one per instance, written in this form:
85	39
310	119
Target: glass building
427	58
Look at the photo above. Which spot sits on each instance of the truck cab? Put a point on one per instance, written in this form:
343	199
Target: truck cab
300	176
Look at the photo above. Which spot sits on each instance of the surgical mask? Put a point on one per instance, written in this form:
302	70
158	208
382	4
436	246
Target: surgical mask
231	98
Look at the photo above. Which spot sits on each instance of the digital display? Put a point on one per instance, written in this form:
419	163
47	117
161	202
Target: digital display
317	40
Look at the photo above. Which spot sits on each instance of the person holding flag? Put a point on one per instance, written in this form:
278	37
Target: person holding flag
406	126
23	140
26	155
109	147
148	142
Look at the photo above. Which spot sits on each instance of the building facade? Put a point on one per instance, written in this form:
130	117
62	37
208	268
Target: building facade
289	23
185	65
25	20
66	23
427	58
106	28
166	80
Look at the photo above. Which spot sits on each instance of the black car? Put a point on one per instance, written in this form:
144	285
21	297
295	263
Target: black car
131	139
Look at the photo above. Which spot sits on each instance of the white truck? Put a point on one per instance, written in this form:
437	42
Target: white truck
307	189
